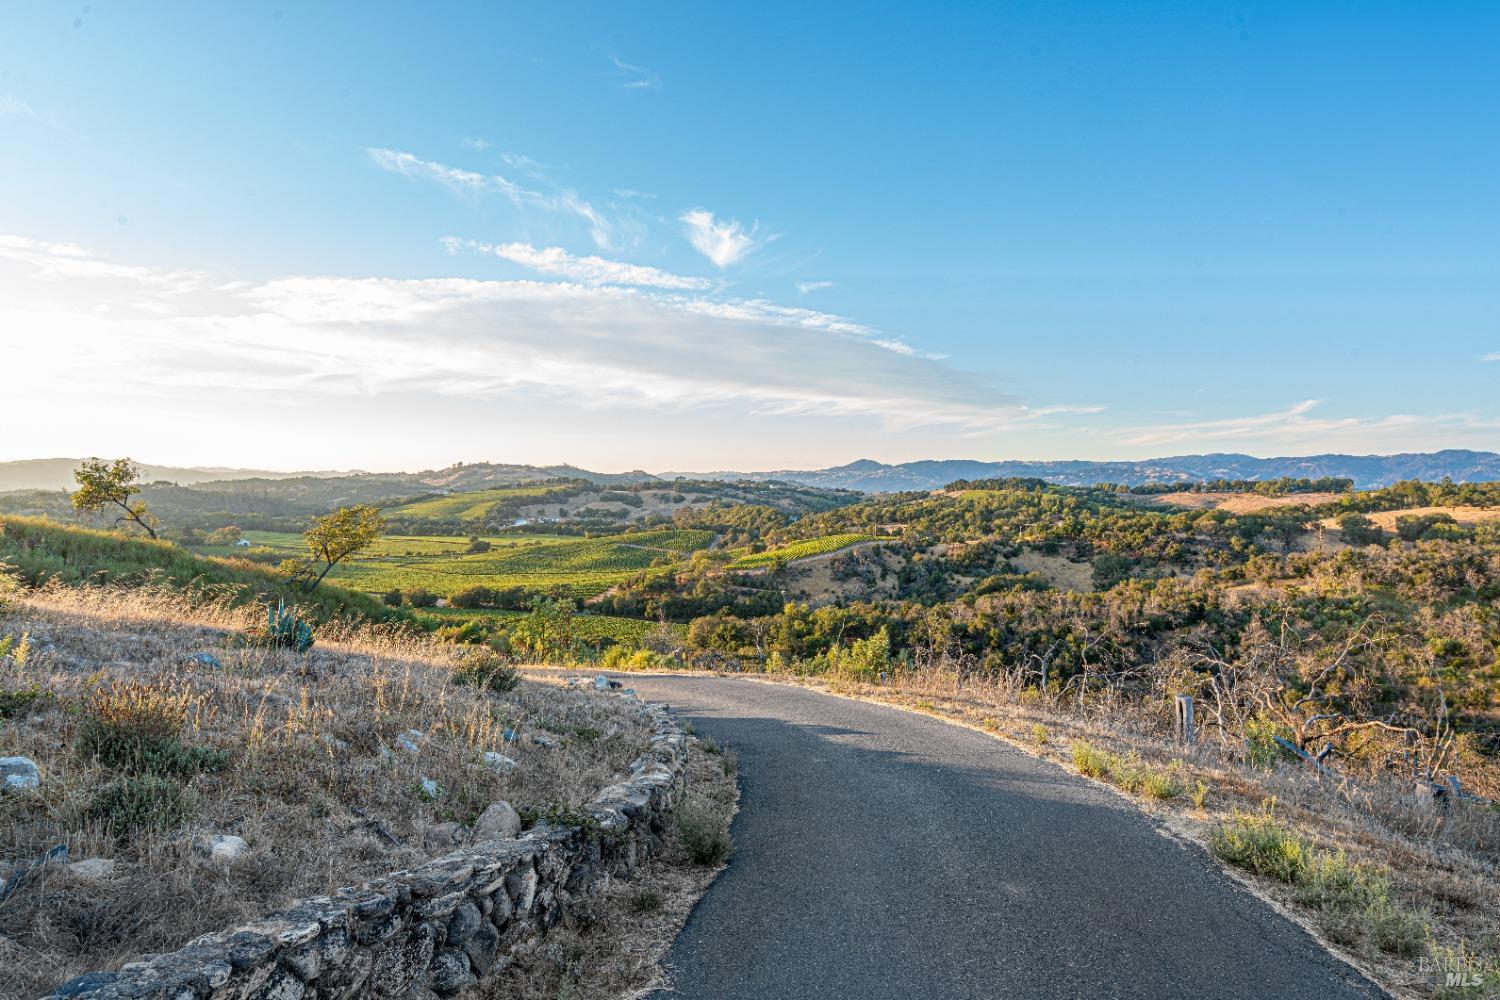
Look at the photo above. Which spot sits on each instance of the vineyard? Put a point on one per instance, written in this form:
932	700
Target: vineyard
801	550
473	506
581	567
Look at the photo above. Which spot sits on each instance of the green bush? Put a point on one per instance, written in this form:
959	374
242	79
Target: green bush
487	672
19	701
700	827
135	728
144	802
1090	761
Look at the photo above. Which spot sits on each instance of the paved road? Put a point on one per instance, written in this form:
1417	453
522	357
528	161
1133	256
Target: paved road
882	855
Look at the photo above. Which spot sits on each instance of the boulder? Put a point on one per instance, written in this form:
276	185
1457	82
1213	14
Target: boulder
450	971
410	741
431	789
92	869
498	763
19	774
498	822
223	847
443	837
204	660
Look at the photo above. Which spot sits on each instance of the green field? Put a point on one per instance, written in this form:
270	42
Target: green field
801	550
472	506
581	566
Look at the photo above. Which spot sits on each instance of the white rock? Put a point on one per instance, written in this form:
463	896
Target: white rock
430	788
601	683
499	763
92	869
410	741
224	847
19	773
499	822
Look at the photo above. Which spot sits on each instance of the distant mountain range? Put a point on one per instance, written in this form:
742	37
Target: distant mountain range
867	475
1367	471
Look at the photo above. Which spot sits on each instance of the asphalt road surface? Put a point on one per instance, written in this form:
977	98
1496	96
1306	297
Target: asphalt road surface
882	855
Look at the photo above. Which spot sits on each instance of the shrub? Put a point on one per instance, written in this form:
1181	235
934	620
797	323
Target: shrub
701	829
1090	761
1161	785
19	701
145	802
1039	734
648	902
392	598
487	672
1257	843
135	727
421	597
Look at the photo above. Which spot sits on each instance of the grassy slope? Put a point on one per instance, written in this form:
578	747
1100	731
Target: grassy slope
41	550
473	506
584	566
803	549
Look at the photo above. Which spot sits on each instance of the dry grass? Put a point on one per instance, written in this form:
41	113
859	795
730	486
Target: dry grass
1437	872
612	944
1243	503
296	754
1386	519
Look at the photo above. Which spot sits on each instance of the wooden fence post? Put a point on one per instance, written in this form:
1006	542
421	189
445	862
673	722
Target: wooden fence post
1185	734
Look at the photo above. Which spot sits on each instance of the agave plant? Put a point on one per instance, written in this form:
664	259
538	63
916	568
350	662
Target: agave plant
285	628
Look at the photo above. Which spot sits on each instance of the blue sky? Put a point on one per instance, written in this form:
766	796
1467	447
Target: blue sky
719	236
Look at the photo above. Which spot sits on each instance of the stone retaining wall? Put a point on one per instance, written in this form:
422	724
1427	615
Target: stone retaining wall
431	931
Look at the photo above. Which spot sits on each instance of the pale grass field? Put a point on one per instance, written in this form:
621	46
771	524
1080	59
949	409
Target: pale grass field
1463	515
315	781
1242	503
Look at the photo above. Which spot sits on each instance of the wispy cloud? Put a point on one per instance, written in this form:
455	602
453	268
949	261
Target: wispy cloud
803	287
635	77
475	143
471	183
591	345
1493	356
13	107
588	270
723	242
1297	426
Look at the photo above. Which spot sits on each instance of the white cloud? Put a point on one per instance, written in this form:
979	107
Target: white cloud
803	287
724	242
636	77
472	183
1493	356
100	330
474	143
588	270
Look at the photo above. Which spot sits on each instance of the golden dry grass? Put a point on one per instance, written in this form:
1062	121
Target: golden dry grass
1386	519
1242	503
316	782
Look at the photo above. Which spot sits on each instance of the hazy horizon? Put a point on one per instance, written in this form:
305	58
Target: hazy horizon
697	239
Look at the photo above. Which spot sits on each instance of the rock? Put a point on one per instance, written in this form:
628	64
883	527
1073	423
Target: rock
629	693
443	836
19	774
498	822
410	741
482	947
92	869
86	984
601	683
543	740
223	847
450	971
498	763
431	789
509	736
466	920
205	660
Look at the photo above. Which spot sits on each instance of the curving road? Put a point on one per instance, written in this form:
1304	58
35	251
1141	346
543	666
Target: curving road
881	855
